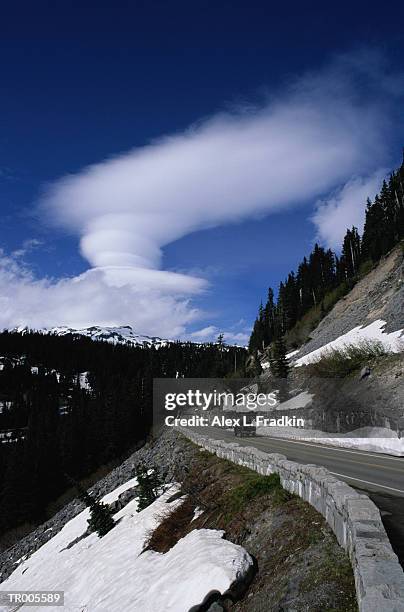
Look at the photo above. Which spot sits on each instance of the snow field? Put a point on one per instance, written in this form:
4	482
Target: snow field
112	574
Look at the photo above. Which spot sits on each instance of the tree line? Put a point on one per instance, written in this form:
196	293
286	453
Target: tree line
70	429
323	277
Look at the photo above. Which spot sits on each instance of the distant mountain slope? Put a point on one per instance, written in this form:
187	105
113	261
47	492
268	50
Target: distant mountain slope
116	335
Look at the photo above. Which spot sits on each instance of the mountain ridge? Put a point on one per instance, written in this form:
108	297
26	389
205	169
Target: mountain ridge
124	334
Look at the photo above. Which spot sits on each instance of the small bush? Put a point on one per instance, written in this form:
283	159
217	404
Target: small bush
254	486
365	267
339	363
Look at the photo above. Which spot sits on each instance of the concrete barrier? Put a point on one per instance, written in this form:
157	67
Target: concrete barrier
353	517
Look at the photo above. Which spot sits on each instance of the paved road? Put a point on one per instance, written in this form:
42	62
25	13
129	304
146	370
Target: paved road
380	476
371	471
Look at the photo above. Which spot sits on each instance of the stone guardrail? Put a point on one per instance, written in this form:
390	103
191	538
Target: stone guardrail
353	517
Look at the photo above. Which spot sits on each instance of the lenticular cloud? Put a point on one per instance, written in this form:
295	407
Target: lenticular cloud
230	167
316	136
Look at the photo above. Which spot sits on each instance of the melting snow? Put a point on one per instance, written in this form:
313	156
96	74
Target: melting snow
374	439
393	342
110	574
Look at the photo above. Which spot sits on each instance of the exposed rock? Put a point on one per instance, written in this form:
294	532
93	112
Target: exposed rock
379	295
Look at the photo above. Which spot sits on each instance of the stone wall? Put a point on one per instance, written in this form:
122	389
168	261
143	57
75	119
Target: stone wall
354	518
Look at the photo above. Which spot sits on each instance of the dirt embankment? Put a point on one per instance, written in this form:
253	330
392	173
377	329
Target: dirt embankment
299	565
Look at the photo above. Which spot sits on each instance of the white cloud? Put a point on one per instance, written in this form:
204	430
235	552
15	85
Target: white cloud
345	208
127	209
310	139
239	338
206	334
87	299
211	333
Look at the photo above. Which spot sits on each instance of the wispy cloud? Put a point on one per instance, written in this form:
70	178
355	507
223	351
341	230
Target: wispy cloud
345	208
322	133
211	333
27	246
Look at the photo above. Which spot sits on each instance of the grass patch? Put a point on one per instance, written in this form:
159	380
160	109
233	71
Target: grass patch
288	538
254	486
346	361
172	528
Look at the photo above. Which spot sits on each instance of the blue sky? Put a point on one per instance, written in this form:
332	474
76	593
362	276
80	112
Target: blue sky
207	145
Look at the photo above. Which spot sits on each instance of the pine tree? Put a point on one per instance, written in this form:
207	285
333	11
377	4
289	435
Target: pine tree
278	362
100	521
220	342
219	366
351	252
280	367
269	318
149	486
323	271
372	240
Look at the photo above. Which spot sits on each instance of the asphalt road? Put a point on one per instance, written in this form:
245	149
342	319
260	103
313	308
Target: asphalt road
372	471
380	476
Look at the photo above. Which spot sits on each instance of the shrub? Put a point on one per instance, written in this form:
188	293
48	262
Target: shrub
366	267
254	485
339	363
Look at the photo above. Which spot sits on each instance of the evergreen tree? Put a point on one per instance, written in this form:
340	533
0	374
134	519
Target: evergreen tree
257	339
323	271
149	486
100	521
220	342
269	318
278	362
351	252
372	240
280	367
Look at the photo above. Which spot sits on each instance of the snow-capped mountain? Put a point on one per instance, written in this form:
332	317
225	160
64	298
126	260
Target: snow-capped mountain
116	335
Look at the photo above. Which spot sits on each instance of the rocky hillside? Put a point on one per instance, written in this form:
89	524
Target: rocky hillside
349	375
266	561
378	296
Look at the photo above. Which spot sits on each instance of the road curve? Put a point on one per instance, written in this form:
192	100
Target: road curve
378	475
371	471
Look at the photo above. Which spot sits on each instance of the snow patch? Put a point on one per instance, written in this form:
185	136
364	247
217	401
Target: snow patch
82	381
265	364
110	574
393	342
373	439
197	513
301	400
